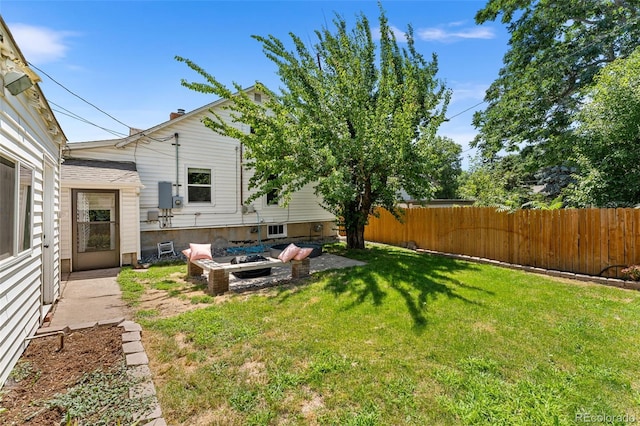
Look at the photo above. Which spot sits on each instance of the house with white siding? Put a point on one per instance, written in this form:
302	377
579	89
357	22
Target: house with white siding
31	142
192	188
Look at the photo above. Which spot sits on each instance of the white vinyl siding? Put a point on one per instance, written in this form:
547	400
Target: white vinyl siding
200	147
129	226
26	141
65	223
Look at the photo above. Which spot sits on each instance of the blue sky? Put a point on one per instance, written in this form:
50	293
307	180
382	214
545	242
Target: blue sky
119	55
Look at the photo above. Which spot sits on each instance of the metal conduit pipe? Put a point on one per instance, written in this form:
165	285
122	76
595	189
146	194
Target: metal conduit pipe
175	137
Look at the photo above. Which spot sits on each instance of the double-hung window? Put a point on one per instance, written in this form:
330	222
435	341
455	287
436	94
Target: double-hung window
272	195
199	185
16	205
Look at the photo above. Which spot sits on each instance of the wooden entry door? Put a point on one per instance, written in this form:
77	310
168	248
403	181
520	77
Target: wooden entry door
96	242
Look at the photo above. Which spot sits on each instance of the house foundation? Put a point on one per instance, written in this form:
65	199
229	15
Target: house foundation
222	238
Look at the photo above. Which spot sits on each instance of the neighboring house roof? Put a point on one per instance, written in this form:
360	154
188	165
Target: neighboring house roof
121	143
100	173
454	202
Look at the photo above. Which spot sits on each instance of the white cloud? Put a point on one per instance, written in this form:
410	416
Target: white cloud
443	35
39	44
463	91
401	36
440	34
456	24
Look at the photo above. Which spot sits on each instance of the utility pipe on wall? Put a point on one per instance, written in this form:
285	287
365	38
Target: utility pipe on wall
175	137
241	183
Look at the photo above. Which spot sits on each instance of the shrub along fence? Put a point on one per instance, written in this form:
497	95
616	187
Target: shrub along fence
583	241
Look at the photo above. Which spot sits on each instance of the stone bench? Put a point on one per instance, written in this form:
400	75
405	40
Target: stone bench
218	273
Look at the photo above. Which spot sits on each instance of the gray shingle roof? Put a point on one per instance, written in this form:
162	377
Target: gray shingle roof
100	171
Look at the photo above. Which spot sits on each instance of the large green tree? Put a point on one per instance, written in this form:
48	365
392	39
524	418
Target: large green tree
555	50
608	143
352	118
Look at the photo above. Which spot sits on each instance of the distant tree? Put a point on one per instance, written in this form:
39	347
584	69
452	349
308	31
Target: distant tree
354	124
555	50
444	154
479	184
505	182
608	146
554	180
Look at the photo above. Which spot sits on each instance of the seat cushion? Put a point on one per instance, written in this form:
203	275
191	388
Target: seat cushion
289	253
200	251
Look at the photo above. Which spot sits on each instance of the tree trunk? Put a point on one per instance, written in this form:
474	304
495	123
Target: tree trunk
355	236
356	215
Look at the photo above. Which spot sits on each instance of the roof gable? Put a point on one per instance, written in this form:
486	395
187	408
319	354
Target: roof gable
10	54
123	142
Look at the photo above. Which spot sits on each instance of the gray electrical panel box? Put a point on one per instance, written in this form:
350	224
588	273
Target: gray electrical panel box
165	196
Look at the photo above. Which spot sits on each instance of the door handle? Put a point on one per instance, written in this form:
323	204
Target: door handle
46	246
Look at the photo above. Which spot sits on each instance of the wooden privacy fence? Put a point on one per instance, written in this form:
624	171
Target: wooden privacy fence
583	241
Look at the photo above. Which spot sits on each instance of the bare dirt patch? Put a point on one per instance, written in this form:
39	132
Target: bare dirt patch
190	294
166	305
184	296
43	371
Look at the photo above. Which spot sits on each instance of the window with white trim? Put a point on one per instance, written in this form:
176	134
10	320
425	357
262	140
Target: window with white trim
199	186
277	231
16	193
273	195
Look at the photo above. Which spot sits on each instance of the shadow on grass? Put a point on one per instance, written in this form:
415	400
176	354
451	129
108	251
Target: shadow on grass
416	277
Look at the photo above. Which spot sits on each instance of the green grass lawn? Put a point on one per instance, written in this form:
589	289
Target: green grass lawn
407	339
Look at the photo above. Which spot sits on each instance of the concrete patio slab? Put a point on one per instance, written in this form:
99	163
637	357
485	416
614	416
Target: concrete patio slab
282	274
89	296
